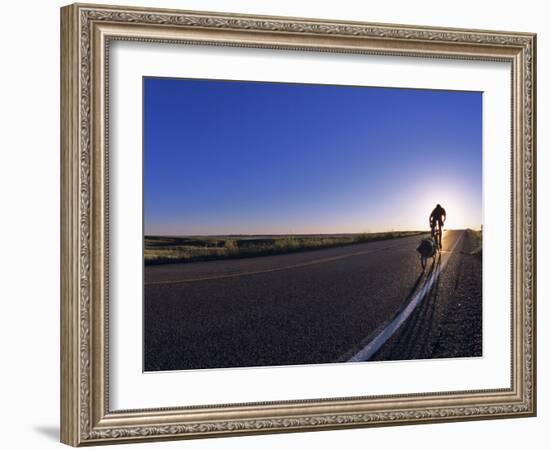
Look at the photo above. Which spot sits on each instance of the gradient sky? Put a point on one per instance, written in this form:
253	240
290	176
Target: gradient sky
230	157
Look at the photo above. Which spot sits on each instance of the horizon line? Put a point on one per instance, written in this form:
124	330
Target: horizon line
427	230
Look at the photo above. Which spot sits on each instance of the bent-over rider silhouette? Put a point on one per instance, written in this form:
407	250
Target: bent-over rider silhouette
437	219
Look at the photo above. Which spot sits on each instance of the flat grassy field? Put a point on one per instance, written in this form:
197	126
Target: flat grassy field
477	238
179	249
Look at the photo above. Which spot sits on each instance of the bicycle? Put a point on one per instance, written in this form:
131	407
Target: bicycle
437	234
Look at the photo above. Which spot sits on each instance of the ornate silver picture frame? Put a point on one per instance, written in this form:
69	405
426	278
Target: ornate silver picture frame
87	33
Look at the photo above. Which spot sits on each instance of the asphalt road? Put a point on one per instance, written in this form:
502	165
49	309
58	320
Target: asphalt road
311	307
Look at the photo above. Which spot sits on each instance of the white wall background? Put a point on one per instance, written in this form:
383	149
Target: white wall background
29	224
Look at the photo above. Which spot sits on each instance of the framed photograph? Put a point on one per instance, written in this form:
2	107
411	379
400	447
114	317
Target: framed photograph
275	224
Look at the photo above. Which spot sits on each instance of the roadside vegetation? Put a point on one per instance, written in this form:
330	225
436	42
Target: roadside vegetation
477	242
165	250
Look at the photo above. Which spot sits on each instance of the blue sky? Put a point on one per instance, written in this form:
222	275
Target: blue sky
232	157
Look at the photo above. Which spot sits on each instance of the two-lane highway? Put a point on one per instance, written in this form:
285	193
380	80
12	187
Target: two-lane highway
302	308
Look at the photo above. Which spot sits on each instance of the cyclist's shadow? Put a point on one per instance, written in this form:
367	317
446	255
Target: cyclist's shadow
433	270
436	266
412	340
425	276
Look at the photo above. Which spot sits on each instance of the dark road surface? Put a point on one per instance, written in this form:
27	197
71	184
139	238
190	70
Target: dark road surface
313	307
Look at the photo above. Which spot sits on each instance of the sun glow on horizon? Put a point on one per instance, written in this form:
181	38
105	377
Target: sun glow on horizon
460	214
404	211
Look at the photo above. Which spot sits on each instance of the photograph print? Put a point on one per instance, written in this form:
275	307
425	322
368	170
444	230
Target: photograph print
290	224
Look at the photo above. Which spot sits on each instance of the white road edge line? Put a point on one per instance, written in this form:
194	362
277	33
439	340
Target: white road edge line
373	346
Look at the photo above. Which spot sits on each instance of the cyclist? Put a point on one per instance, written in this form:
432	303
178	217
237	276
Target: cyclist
437	219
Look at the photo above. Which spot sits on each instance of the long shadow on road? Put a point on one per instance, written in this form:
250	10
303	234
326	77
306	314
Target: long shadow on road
415	336
447	322
421	283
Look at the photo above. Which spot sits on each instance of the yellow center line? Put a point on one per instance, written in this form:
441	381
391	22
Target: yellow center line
273	269
276	269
